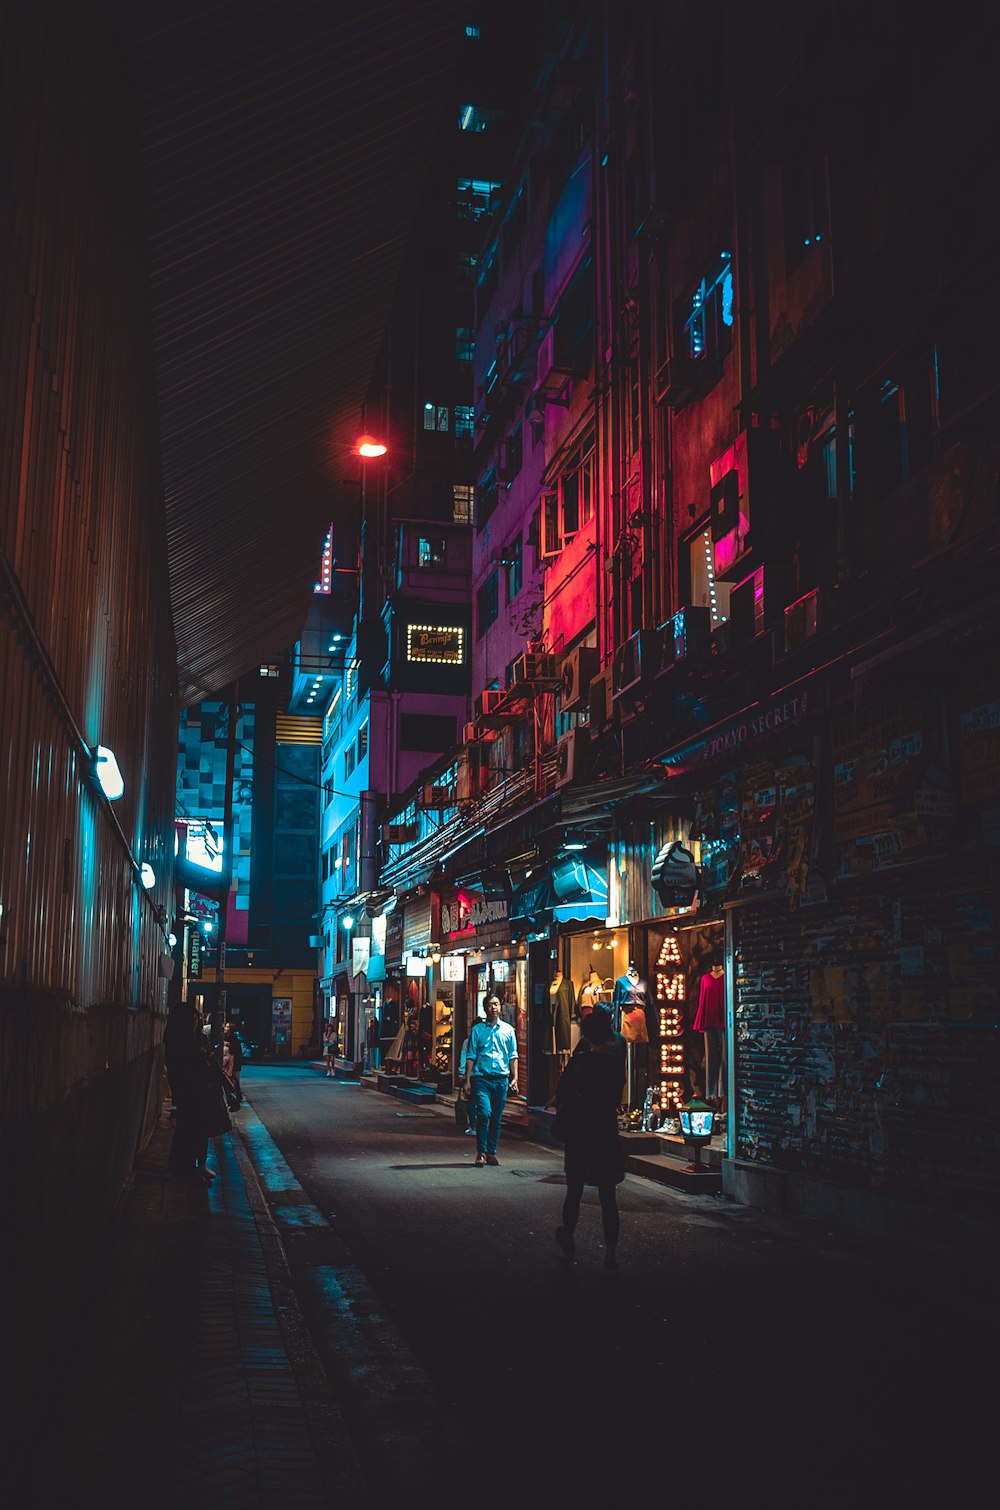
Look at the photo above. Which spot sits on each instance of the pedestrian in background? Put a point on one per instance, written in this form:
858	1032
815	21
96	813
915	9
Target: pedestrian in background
588	1097
463	1107
490	1072
330	1047
232	1062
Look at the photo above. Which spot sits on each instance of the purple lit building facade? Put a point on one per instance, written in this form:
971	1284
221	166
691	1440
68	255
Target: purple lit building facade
736	515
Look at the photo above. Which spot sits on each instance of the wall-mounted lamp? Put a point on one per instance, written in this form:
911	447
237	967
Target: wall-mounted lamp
347	922
108	774
574	844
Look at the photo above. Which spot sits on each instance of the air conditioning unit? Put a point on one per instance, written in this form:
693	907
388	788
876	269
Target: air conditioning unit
400	833
678	380
432	797
555	361
803	619
535	670
577	669
746	608
472	762
470	734
747	469
637	661
487	703
601	696
688	635
572	756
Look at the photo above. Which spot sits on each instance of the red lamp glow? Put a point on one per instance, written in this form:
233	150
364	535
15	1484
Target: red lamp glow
369	446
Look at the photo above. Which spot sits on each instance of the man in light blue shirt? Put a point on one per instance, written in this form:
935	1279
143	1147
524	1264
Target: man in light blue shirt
490	1071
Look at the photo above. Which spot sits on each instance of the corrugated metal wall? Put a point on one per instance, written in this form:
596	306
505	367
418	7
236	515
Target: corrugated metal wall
86	646
866	1047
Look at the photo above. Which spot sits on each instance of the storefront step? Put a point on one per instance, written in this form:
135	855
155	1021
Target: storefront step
675	1172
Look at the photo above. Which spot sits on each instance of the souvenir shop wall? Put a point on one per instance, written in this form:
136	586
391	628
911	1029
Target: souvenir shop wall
862	909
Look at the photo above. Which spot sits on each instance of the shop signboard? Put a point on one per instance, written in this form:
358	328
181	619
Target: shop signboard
452	967
466	913
741	735
360	954
394	938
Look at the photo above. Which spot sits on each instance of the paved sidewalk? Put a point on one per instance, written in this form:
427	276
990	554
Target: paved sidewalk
188	1378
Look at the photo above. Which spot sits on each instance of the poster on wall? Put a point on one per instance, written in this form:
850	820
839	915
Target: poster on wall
281	1022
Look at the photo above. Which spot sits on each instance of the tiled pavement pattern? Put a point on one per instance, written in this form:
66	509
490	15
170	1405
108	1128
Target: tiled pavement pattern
190	1380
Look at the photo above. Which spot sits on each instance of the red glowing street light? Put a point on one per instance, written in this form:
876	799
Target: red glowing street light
369	446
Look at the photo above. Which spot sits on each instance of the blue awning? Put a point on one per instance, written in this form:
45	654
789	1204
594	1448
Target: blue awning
568	890
375	969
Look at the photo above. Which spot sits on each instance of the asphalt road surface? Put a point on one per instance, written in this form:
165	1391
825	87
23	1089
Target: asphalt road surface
733	1355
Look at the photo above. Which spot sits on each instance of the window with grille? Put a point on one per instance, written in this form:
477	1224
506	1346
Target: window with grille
463	495
465	419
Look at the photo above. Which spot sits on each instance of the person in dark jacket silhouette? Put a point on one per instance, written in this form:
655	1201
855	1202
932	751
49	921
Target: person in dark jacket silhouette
195	1081
590	1091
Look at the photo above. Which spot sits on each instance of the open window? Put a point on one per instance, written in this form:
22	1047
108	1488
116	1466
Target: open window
569	507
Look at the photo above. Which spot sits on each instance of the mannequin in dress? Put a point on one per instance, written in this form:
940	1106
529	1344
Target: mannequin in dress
710	1019
629	1004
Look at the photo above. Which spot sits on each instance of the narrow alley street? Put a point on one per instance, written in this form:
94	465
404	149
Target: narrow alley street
734	1353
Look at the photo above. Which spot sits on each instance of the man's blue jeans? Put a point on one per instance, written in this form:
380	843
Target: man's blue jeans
489	1092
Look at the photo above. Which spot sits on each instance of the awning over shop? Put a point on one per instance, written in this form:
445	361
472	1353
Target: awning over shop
568	890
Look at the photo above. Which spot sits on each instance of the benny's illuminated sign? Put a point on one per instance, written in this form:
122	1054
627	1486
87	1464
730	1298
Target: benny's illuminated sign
435	644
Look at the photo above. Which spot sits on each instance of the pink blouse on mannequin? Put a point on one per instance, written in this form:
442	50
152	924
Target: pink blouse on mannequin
711	1003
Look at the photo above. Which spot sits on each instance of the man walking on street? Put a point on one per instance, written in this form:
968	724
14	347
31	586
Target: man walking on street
490	1070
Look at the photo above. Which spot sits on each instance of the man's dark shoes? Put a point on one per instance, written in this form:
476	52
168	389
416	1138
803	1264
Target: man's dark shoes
491	1158
480	1161
564	1240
